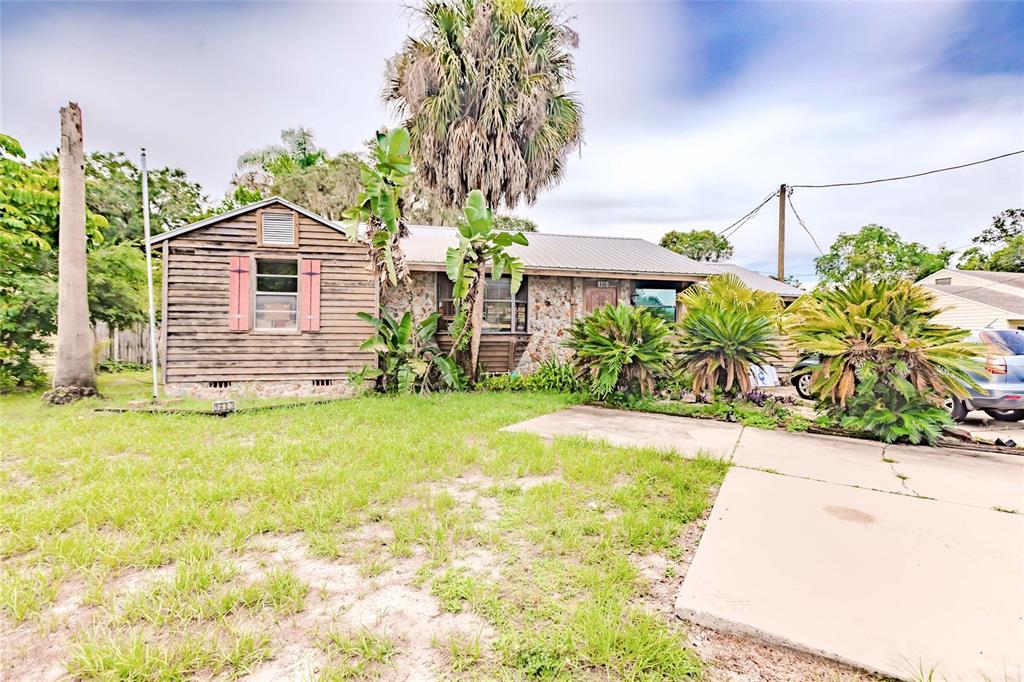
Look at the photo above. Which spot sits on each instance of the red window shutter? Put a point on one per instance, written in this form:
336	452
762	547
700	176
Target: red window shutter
309	295
238	308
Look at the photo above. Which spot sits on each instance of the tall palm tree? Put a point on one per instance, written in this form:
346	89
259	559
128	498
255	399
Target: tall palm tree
258	168
483	91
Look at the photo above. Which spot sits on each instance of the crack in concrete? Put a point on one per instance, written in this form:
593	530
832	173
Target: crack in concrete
736	445
903	478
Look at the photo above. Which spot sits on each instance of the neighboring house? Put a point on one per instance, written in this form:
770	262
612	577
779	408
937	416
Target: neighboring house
263	299
977	299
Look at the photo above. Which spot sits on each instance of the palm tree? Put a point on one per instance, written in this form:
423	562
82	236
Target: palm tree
258	168
74	367
483	93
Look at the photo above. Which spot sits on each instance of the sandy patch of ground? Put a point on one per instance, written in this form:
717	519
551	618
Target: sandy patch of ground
37	648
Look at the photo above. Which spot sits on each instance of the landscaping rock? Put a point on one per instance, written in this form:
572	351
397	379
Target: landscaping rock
63	395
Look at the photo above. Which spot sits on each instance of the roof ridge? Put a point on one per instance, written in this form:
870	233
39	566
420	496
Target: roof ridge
555	234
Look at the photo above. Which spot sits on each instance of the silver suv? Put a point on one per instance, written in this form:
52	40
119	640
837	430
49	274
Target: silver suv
1001	381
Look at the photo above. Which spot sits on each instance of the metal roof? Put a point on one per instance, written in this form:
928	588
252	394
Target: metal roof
755	280
171	234
1013	279
1007	302
591	254
585	253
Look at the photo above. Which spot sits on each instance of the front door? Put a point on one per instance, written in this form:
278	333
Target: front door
595	297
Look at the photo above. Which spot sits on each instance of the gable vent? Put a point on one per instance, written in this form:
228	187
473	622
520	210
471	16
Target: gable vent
277	228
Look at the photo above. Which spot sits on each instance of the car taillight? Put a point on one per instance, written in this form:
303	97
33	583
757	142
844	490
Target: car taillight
995	364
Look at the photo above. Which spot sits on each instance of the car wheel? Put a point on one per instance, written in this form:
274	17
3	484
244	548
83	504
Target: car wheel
957	409
1006	415
803	386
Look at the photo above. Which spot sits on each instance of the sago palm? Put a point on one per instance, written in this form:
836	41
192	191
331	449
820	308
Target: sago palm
728	328
887	323
483	92
718	347
728	291
620	348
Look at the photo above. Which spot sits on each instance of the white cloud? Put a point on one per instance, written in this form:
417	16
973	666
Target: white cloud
839	92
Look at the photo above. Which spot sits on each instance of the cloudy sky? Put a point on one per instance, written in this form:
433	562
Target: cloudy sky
694	112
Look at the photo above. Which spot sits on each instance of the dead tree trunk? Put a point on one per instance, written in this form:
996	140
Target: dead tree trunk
74	368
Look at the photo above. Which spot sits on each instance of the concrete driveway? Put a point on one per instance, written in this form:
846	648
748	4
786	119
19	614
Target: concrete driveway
896	559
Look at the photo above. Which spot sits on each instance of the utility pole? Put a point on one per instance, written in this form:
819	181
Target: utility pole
782	233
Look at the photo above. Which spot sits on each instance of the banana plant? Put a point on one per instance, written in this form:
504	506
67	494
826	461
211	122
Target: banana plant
408	359
379	205
480	247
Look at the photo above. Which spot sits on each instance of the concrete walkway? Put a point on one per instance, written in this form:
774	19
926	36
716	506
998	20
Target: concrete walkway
893	559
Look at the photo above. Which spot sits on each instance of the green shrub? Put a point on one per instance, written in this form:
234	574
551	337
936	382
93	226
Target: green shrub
554	375
551	375
620	349
728	328
893	409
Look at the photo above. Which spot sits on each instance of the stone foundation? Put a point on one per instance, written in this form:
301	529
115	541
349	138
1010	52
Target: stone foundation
259	389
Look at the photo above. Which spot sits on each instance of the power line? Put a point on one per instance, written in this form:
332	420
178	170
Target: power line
789	198
732	229
913	175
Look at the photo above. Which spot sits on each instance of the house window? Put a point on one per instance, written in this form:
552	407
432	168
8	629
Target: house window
503	312
943	281
277	294
277	228
661	302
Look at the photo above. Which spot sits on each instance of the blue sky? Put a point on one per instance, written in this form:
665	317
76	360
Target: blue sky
694	111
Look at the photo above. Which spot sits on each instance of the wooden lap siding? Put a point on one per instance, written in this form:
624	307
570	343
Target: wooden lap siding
200	343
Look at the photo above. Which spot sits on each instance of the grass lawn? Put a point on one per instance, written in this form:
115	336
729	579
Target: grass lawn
375	537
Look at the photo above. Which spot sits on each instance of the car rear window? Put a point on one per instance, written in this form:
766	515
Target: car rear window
1006	341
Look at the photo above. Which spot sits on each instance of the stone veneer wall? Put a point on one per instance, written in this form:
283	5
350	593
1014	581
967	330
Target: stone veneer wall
553	301
417	293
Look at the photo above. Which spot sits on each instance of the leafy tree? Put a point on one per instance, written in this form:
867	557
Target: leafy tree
1006	237
117	285
876	252
380	205
483	92
328	188
1005	226
480	246
29	202
727	329
512	223
704	245
258	168
113	189
620	349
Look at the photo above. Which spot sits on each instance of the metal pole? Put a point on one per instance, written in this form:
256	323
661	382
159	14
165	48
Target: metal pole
149	273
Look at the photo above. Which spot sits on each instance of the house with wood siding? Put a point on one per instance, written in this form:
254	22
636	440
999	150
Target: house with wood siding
262	300
978	299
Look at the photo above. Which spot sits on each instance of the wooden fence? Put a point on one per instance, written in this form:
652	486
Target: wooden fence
123	345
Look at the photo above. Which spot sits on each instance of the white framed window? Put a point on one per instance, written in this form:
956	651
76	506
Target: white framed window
277	294
277	228
504	313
